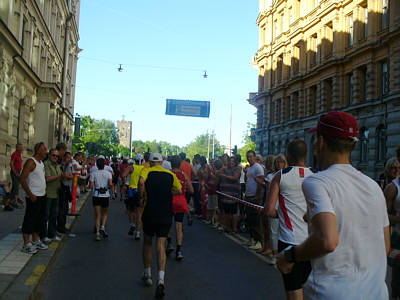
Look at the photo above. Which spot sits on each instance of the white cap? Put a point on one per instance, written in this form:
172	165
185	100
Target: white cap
130	161
101	157
138	156
156	157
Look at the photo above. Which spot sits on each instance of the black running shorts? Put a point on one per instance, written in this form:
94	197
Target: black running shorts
299	274
101	201
133	200
158	230
178	217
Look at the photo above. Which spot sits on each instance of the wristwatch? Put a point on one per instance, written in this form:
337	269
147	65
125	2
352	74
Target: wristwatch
290	255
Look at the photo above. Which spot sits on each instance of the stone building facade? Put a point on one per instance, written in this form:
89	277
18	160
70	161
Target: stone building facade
125	133
322	55
38	59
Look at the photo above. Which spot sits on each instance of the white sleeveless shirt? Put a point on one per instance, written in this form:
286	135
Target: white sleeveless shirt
292	205
396	204
36	179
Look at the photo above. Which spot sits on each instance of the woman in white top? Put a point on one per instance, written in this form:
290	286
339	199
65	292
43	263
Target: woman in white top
101	182
392	195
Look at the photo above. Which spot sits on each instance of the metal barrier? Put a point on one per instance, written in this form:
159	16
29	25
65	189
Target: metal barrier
246	203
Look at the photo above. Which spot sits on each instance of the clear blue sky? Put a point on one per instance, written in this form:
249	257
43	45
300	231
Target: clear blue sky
219	36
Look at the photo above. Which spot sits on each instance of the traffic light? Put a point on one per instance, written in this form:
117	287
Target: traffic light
235	150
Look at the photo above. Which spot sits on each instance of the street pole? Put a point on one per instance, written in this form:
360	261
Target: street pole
213	135
230	134
130	138
208	146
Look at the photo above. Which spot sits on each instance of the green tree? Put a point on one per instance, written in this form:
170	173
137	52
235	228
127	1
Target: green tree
200	146
248	143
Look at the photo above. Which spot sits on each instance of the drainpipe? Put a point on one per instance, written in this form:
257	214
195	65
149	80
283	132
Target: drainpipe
65	69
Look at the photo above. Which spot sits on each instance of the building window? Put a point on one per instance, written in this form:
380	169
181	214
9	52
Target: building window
350	78
295	59
365	9
385	78
385	14
351	30
313	100
364	145
283	23
328	41
380	143
276	28
280	68
291	17
363	83
316	3
314	54
279	147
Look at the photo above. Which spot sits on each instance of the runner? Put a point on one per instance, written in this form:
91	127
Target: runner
34	183
133	201
392	195
159	185
180	207
115	177
188	169
122	187
349	227
286	186
101	182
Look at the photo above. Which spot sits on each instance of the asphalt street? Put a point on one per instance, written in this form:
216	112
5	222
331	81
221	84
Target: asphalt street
214	266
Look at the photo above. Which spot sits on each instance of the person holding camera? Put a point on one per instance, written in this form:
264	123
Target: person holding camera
101	182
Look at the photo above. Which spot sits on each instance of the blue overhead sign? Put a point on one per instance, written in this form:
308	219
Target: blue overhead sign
188	108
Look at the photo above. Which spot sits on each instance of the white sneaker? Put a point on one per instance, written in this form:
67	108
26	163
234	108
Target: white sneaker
137	235
40	245
46	240
57	238
256	246
29	248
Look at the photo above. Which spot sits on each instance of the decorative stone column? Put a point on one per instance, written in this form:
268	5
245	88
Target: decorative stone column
335	91
322	104
371	81
301	103
356	88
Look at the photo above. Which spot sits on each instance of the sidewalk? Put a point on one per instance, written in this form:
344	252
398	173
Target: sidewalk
21	272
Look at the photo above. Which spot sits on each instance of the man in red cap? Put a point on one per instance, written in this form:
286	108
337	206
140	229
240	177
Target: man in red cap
348	224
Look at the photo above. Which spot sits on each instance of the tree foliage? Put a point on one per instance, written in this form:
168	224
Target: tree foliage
248	143
200	146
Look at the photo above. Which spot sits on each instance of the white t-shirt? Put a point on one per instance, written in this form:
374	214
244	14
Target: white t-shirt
253	172
292	205
100	179
357	267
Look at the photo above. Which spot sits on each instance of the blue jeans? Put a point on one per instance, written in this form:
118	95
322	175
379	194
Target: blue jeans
49	229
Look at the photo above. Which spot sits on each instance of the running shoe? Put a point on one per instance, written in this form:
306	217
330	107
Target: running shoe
170	249
160	290
147	280
29	249
57	238
131	230
220	228
40	245
256	246
104	233
137	235
208	222
98	236
179	255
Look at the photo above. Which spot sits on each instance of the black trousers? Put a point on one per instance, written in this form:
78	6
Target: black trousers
63	199
35	213
197	199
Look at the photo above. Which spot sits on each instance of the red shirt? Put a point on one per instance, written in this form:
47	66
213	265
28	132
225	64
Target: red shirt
122	168
16	158
186	168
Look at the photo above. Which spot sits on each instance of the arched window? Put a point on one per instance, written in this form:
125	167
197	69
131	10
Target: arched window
380	143
364	145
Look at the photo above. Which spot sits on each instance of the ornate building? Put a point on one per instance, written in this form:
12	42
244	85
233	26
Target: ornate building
321	55
38	58
125	133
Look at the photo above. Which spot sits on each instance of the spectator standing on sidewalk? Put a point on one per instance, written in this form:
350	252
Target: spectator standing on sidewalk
53	173
33	182
286	187
15	172
254	194
65	192
5	192
349	227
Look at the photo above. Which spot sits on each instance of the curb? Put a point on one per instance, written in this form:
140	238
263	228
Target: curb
25	286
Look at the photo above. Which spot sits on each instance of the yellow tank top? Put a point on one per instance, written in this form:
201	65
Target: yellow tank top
134	180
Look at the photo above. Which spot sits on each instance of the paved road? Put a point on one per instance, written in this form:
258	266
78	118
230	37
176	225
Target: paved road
214	266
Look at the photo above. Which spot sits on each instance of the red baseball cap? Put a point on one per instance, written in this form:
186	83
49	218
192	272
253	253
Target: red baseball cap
337	124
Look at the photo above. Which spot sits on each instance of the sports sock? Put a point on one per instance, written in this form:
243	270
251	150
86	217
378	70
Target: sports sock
147	271
161	275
